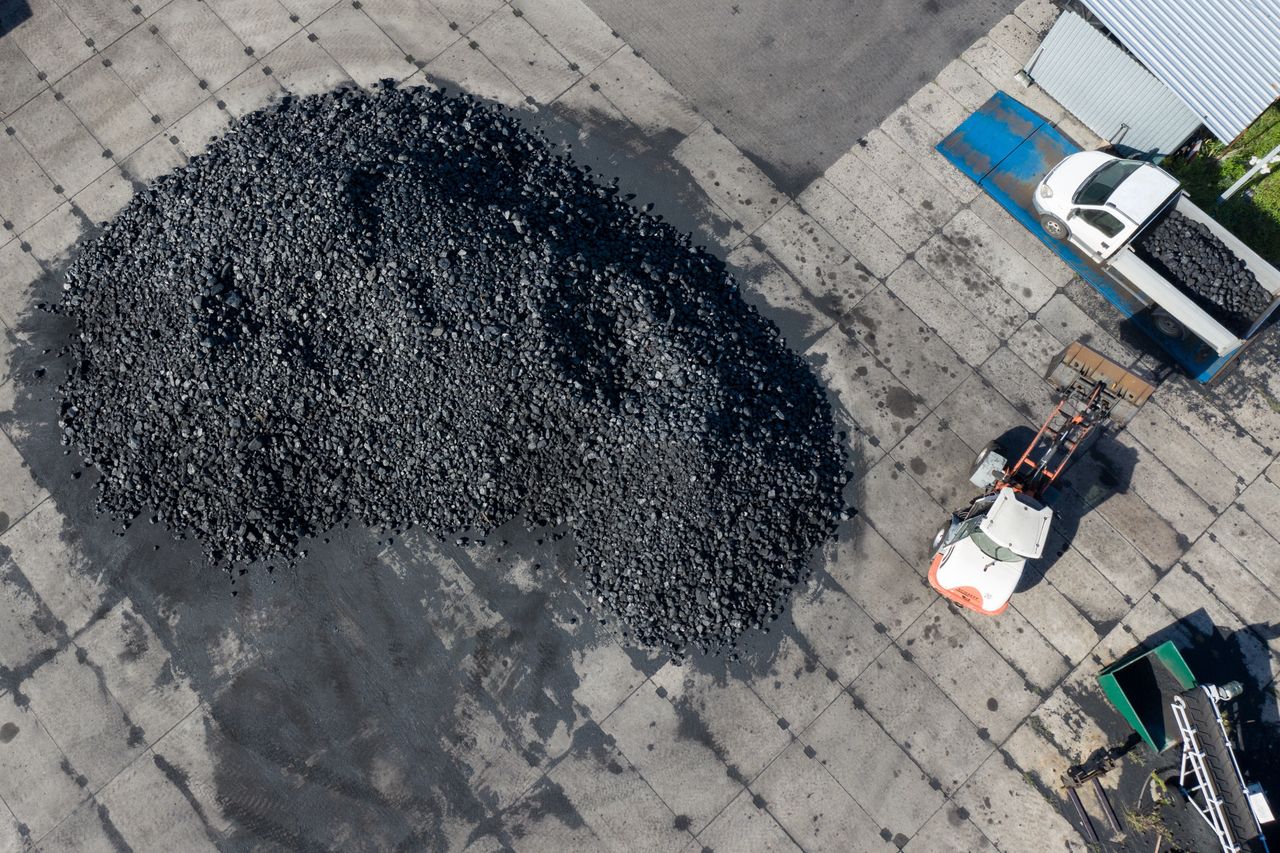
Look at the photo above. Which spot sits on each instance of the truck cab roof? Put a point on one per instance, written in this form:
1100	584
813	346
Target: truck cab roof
1142	191
1072	171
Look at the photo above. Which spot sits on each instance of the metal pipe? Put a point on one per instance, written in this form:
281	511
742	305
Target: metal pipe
1105	805
1248	176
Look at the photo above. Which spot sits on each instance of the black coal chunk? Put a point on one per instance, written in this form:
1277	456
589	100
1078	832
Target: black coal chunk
1188	253
401	307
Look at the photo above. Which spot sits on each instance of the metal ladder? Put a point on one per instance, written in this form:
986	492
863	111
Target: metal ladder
1193	757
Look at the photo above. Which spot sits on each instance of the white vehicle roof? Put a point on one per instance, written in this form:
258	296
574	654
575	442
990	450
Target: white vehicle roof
1143	192
1018	523
1071	171
966	565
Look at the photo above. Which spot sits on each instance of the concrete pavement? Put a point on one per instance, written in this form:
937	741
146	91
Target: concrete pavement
794	84
432	697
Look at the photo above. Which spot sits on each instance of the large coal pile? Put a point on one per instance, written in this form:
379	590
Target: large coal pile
1187	252
403	308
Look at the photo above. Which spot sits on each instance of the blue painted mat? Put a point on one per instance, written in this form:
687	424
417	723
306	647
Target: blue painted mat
1006	148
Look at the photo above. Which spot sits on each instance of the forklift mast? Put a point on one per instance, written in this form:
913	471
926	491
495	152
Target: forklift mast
1092	391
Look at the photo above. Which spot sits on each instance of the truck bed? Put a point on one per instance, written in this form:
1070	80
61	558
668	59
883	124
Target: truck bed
1241	301
1138	275
1266	274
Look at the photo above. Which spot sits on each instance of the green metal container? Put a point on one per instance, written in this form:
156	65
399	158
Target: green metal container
1141	686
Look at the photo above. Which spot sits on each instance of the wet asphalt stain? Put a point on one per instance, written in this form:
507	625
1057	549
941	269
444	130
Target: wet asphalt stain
79	778
135	638
901	403
111	831
180	780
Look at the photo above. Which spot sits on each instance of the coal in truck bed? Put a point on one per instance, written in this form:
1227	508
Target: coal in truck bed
1188	254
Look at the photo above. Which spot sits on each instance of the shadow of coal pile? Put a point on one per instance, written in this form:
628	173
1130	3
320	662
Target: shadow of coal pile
13	13
380	693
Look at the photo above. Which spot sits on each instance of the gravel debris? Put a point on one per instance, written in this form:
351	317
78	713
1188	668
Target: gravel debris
401	307
1187	252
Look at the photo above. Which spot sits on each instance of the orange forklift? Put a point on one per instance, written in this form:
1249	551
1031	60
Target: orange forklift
979	556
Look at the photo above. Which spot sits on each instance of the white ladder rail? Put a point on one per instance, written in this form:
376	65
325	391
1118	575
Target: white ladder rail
1212	810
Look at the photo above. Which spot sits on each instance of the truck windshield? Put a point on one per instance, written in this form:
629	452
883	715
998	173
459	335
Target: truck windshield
991	549
1099	187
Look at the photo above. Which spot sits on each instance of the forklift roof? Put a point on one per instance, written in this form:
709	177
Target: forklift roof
1018	523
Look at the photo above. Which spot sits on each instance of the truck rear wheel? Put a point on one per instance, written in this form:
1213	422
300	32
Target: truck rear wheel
1167	325
992	446
988	471
1054	227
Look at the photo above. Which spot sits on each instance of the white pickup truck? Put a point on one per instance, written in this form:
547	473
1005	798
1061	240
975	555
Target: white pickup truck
1102	204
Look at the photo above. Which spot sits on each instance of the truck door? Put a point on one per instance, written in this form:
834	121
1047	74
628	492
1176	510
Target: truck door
1099	230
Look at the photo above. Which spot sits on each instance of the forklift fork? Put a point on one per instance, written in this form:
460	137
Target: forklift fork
1079	370
1092	390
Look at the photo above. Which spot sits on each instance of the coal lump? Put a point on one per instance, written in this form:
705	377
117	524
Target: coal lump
401	307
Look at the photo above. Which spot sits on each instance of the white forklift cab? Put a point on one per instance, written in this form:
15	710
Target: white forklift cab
981	555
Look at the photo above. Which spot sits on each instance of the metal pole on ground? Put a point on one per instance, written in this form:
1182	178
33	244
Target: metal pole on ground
1274	154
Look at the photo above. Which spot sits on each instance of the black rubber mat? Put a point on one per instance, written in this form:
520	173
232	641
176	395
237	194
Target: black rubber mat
1222	772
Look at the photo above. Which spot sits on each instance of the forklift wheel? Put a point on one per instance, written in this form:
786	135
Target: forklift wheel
1167	325
991	447
937	540
1054	227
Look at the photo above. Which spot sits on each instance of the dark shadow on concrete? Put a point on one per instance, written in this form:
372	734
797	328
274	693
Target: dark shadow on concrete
12	13
794	83
1102	468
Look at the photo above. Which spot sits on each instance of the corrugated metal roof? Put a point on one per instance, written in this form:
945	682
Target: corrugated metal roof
1222	57
1110	91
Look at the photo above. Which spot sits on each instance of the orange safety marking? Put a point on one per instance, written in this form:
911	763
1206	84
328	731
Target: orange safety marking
965	596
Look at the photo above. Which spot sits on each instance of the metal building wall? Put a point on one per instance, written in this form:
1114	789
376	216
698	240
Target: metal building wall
1106	88
1222	57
